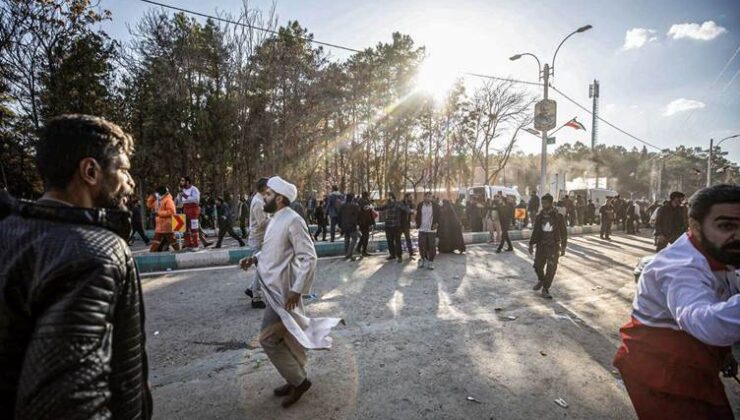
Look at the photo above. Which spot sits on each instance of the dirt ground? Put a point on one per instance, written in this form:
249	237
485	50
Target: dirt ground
418	344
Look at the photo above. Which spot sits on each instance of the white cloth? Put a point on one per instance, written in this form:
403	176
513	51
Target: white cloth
257	221
283	187
679	290
427	216
287	262
191	195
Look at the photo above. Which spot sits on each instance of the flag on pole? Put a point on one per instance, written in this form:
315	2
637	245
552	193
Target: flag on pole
575	124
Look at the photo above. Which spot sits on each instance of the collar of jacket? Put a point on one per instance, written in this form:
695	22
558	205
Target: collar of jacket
117	221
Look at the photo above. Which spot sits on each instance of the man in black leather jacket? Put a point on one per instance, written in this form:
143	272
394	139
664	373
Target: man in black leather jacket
71	310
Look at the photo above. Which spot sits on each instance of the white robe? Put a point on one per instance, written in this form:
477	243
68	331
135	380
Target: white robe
287	262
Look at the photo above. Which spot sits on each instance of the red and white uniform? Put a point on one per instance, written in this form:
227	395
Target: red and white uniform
191	208
686	314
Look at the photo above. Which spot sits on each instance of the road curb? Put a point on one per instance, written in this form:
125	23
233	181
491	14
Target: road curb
165	261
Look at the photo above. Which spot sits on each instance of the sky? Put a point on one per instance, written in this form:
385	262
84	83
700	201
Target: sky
669	70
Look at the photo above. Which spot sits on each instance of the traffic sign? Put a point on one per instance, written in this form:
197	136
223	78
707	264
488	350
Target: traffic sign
178	223
551	140
545	114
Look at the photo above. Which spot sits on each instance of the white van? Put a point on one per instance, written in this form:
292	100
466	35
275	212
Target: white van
488	191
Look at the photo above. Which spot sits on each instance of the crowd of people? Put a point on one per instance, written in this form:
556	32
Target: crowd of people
72	339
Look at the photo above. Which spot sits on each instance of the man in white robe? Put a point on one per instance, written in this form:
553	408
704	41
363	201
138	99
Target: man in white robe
286	266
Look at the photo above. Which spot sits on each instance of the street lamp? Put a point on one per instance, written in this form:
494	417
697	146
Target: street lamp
711	155
545	75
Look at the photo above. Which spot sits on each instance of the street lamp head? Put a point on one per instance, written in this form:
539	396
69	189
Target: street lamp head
515	57
584	28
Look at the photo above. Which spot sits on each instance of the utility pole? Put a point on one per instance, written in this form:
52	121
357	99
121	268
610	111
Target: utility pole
709	162
543	162
593	92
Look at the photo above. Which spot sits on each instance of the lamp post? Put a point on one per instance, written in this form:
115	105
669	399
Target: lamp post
711	155
545	74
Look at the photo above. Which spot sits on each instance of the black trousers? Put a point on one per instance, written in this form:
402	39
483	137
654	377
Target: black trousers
606	227
393	236
546	263
334	224
140	230
505	237
320	230
226	227
406	231
364	239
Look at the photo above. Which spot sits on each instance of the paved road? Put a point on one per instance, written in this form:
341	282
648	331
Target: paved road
416	344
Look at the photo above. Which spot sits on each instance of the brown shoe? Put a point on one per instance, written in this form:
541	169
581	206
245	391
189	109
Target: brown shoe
296	393
283	390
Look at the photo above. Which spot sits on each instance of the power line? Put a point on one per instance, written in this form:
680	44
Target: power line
605	121
271	31
485	76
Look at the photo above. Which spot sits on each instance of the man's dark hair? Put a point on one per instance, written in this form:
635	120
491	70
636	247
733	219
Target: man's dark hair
391	195
262	183
676	194
350	197
335	188
187	179
365	194
66	140
547	197
162	190
702	201
427	193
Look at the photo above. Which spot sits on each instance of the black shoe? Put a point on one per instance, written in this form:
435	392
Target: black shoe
258	304
498	251
249	293
353	258
284	390
365	254
537	286
509	249
217	247
207	244
296	393
391	258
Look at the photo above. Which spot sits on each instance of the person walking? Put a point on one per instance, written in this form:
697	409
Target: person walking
570	210
164	207
333	204
506	215
533	207
243	214
349	215
287	266
550	237
493	220
394	211
320	218
189	196
72	331
580	210
590	213
408	202
686	315
450	229
671	221
226	220
427	221
258	222
366	222
606	212
137	223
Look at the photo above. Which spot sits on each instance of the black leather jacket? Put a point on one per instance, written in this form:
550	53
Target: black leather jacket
71	315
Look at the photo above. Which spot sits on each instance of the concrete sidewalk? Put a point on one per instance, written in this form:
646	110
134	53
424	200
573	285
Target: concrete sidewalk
151	262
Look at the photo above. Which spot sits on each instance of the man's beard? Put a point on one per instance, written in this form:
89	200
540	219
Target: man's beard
113	199
728	253
270	206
